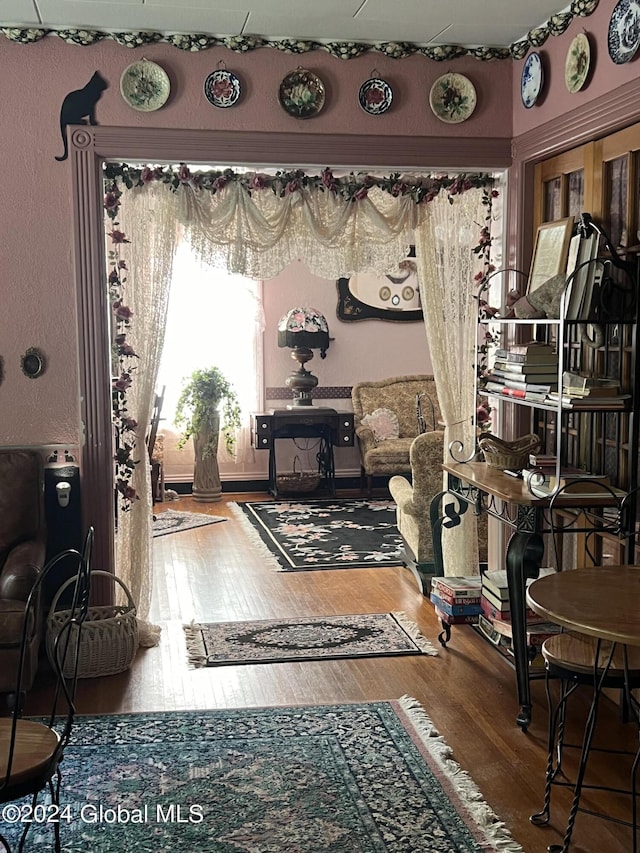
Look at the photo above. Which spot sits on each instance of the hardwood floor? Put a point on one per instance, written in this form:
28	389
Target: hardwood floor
214	573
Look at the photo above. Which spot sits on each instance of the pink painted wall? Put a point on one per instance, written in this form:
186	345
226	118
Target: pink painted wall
556	101
36	263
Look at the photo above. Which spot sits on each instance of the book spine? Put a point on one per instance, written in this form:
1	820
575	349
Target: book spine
467	619
499	592
456	596
455	609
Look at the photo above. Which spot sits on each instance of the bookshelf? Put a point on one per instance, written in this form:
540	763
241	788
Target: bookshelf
600	340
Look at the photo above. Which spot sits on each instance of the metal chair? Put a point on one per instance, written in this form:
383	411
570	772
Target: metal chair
577	659
31	750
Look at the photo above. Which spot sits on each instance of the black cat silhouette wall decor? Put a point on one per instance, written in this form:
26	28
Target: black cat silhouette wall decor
79	107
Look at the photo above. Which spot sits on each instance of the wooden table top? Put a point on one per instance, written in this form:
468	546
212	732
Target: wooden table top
602	602
495	482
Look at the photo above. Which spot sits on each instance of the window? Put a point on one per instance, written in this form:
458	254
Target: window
214	319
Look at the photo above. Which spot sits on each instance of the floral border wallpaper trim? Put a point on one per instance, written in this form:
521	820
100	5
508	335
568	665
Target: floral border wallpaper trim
555	26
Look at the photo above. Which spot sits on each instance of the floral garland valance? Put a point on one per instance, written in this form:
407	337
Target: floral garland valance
256	224
555	26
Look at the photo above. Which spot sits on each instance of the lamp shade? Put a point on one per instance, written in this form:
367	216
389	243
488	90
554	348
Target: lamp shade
304	327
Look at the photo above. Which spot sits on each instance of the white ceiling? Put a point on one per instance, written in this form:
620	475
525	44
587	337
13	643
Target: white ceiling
492	23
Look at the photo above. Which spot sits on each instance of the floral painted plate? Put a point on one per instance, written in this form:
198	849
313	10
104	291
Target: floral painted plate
301	94
145	86
375	96
452	98
531	80
222	88
576	66
624	31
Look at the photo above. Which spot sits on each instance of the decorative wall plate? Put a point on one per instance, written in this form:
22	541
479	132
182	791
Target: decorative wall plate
532	80
301	93
222	88
375	96
576	66
624	31
452	98
145	86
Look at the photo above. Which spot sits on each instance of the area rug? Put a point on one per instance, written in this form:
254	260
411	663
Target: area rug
304	638
352	778
328	534
170	521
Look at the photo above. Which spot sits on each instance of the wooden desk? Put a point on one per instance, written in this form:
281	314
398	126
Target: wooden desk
604	603
331	427
490	490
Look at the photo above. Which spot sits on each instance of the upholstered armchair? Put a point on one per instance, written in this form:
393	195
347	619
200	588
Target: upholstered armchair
387	418
413	505
22	556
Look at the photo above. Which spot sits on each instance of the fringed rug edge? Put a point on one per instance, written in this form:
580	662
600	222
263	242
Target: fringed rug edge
252	533
411	628
470	796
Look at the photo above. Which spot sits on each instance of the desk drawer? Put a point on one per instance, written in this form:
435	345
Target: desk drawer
262	432
346	435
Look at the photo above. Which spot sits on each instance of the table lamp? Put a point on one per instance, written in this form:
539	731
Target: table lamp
303	330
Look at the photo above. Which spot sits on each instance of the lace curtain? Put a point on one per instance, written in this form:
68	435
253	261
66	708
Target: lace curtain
260	234
446	270
148	218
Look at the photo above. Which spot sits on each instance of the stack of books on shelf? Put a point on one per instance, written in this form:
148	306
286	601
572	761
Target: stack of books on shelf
527	372
588	392
456	599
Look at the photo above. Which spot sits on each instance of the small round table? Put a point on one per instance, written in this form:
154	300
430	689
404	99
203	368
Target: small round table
604	603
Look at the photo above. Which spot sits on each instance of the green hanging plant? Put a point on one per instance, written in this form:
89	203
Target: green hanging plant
205	394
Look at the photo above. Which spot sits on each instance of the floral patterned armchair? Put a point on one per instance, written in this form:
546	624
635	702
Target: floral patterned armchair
388	417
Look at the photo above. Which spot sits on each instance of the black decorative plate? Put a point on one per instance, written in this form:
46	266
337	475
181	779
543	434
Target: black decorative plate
532	80
624	31
375	96
301	94
222	88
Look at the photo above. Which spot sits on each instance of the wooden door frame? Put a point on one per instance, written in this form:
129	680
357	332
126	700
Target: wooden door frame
90	147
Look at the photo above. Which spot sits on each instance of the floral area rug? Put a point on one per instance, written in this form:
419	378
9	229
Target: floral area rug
304	638
329	534
352	778
170	521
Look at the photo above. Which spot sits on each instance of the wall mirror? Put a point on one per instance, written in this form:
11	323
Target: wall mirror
369	296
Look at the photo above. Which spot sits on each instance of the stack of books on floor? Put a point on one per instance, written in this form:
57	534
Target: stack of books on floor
456	599
495	619
588	392
528	372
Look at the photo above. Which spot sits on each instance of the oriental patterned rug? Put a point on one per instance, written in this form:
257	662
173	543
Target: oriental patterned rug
323	534
353	778
171	521
304	638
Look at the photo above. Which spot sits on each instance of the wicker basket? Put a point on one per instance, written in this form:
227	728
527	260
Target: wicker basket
297	482
109	635
512	455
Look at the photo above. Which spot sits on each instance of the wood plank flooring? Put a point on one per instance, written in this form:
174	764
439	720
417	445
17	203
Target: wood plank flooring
214	573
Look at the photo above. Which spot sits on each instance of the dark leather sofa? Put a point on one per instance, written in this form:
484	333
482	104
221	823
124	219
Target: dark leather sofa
22	556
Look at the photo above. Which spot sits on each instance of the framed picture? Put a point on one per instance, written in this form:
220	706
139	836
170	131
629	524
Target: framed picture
550	252
369	296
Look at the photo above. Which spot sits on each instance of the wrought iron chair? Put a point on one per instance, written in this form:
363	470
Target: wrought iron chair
577	659
31	750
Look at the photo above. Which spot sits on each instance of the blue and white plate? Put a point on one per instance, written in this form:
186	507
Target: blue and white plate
624	31
222	88
375	96
532	80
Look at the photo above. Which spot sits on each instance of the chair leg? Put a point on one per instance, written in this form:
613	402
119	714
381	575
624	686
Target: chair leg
370	485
